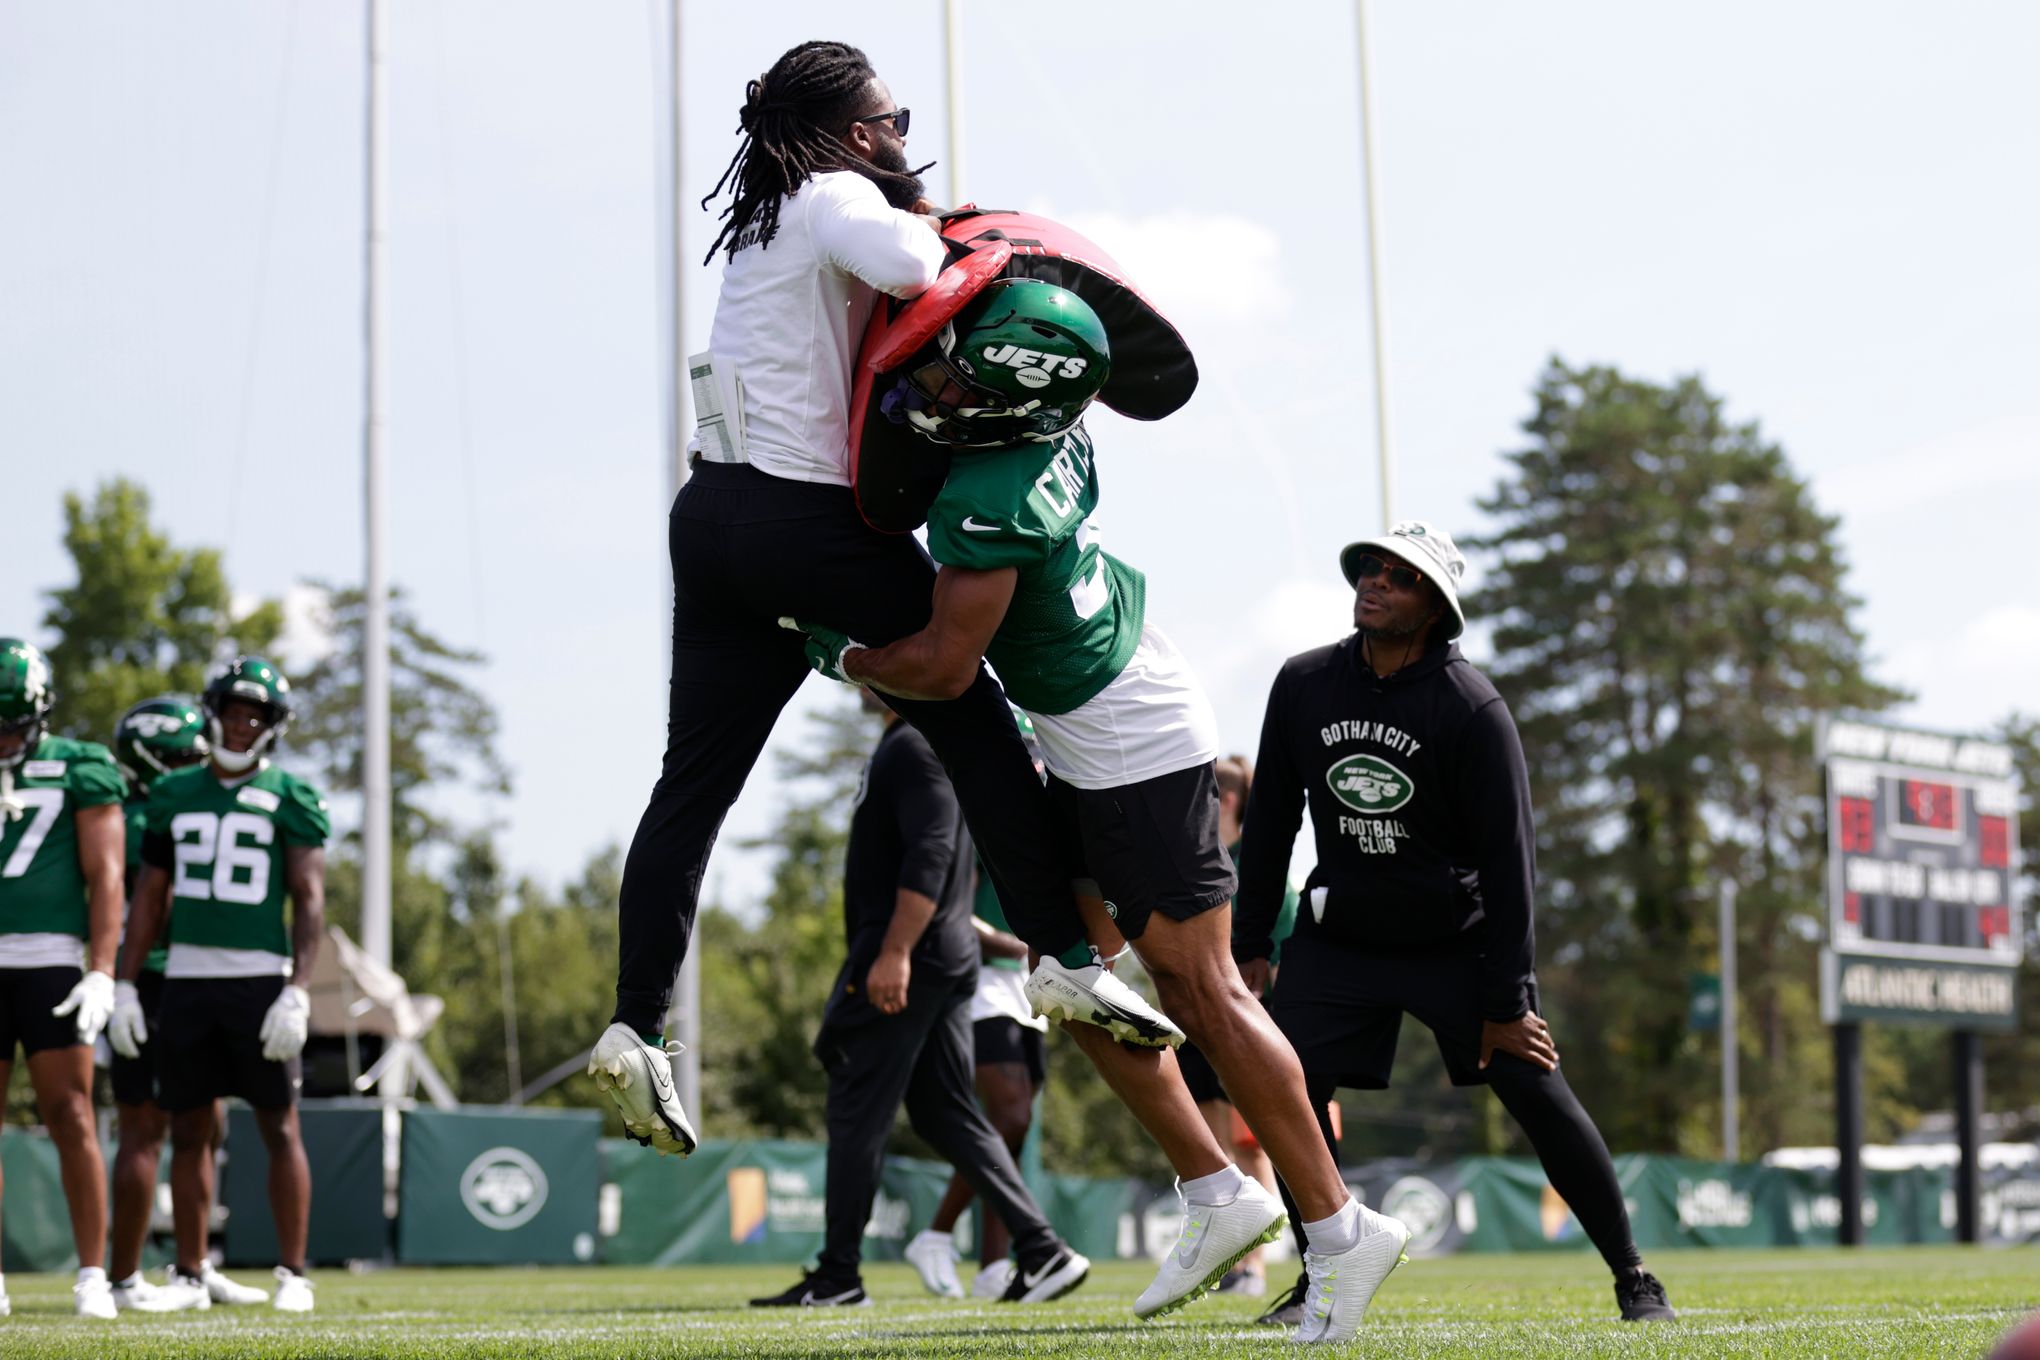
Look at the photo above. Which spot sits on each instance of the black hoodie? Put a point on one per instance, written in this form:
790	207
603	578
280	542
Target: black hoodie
1420	801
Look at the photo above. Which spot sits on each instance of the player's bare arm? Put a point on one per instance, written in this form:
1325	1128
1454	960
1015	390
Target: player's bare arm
102	855
994	943
940	661
304	870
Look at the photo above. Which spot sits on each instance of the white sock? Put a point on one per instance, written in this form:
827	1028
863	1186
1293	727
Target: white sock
1340	1232
89	1274
1222	1186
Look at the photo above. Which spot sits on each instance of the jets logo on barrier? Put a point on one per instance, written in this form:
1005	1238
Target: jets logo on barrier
1370	784
503	1188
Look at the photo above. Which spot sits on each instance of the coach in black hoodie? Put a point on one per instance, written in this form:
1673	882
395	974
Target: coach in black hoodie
1421	899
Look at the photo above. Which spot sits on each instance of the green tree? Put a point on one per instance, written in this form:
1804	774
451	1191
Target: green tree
2011	1072
144	617
442	730
1671	619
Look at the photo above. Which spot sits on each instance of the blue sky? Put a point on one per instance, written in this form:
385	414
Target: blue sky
1825	209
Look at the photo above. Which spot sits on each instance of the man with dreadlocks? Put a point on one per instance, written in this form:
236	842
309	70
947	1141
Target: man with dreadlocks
767	526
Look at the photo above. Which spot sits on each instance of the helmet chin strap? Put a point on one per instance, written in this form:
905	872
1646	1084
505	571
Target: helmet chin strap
238	762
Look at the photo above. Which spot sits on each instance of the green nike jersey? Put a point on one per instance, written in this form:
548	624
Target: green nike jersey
1077	610
42	884
137	812
228	889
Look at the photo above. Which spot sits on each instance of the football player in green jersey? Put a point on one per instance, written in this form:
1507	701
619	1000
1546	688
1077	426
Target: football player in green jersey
60	889
153	738
1130	741
234	853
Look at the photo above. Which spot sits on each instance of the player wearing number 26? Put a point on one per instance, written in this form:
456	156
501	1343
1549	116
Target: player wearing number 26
234	851
60	889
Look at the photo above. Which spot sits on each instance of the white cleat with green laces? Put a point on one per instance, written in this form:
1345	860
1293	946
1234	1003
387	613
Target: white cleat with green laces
1215	1237
1342	1283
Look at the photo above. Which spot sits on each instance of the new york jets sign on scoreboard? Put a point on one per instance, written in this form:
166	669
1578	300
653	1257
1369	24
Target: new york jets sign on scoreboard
1924	919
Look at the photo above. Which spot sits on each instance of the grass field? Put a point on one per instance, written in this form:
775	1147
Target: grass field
1912	1303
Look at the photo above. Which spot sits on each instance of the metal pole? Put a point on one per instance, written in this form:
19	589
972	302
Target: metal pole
1849	1131
1968	1132
952	42
375	656
1374	270
1731	1102
685	1017
513	1056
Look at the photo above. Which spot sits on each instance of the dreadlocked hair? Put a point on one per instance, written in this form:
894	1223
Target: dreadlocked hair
792	123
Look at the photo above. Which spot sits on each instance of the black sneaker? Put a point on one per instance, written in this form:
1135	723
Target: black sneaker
1641	1298
1245	1284
1047	1277
815	1291
1287	1311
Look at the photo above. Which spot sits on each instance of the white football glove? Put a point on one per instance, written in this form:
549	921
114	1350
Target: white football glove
288	1022
127	1031
92	999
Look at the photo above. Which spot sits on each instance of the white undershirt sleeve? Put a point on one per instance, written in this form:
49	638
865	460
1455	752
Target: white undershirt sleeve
857	232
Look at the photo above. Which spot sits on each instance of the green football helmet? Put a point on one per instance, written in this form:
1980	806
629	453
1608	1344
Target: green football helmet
159	735
1018	364
26	693
254	680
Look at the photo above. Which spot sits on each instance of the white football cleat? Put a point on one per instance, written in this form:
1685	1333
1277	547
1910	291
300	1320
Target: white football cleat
136	1295
92	1296
991	1282
1091	995
639	1078
1342	1284
293	1292
220	1289
1216	1237
188	1290
933	1254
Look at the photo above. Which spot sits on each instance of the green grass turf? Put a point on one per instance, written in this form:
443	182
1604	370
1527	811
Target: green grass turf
1940	1301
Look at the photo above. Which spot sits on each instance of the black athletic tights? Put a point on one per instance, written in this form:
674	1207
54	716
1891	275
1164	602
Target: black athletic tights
1575	1159
748	548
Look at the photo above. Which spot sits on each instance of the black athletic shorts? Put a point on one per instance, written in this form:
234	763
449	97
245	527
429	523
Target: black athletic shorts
134	1079
1002	1039
1342	1010
27	996
1198	1074
1151	846
211	1044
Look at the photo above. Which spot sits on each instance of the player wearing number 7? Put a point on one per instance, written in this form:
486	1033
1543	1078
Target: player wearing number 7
234	851
61	844
1129	740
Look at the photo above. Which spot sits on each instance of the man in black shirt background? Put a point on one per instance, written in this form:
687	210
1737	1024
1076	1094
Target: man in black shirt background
1421	898
897	1025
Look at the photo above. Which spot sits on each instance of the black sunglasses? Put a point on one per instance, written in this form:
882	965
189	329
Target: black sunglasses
1368	566
899	118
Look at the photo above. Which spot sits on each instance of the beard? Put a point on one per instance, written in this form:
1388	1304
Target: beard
1395	630
888	170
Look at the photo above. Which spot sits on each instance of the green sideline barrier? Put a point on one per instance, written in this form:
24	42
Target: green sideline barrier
35	1224
344	1145
485	1186
762	1200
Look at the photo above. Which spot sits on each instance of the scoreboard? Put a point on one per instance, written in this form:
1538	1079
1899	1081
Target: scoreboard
1922	845
1923	867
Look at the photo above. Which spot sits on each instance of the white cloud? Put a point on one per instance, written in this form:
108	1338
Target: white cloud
1989	668
1963	463
307	634
1211	266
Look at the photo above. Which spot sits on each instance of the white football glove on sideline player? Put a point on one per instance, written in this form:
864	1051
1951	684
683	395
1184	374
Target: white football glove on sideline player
92	999
128	1030
288	1022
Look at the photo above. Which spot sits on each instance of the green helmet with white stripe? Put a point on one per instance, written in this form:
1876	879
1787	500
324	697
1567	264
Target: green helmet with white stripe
250	679
159	735
27	690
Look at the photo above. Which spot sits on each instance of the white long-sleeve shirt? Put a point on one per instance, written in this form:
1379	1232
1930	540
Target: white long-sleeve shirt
791	314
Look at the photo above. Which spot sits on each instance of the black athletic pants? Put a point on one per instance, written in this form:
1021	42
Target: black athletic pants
925	1057
1575	1158
748	548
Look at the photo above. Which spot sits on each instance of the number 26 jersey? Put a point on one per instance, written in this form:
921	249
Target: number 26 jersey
224	845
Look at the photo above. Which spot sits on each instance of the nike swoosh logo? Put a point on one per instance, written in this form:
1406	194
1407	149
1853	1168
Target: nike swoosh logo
974	527
662	1082
1033	1278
